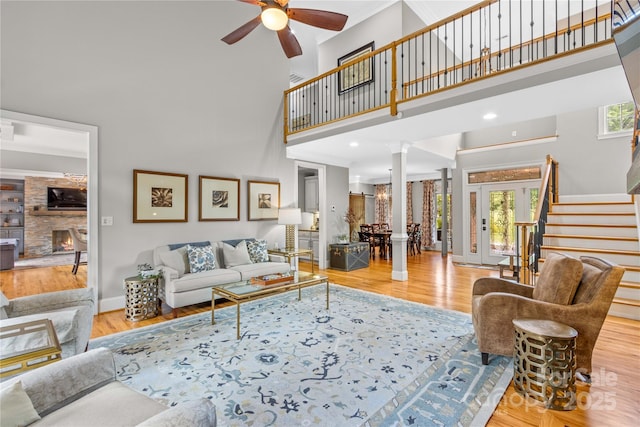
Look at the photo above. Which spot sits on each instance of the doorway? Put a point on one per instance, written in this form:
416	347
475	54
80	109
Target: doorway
492	210
90	135
502	206
321	172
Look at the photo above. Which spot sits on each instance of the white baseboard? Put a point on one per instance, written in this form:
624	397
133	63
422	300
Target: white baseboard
111	304
400	275
458	258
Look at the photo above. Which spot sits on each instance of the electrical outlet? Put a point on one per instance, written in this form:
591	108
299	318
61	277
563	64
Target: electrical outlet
107	220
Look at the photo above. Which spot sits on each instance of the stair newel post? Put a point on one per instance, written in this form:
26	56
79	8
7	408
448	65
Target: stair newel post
523	231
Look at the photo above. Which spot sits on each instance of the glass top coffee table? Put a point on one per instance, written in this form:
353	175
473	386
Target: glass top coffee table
243	291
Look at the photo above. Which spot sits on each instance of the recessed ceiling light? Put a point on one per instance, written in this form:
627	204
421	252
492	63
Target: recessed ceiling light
490	116
353	144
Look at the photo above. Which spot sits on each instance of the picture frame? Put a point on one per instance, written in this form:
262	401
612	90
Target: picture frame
160	196
219	199
264	200
358	74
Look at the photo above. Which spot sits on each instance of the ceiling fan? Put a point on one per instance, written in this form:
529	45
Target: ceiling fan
275	16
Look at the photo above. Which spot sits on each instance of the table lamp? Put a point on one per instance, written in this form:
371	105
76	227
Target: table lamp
290	217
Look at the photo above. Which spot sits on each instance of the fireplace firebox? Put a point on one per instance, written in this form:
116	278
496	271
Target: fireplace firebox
61	242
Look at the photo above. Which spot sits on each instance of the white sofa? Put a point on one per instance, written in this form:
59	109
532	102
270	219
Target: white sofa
180	287
83	391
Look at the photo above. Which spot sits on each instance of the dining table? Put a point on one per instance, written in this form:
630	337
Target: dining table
383	237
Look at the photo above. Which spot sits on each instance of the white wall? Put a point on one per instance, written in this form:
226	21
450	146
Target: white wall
382	28
166	95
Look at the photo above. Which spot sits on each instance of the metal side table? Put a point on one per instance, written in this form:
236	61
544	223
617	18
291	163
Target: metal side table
141	298
544	362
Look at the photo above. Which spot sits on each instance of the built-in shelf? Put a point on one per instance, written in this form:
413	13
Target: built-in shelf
57	213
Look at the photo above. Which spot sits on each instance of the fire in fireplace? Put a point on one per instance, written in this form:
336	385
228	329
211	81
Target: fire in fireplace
61	242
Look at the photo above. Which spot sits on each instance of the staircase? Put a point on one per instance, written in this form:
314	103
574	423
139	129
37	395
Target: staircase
606	228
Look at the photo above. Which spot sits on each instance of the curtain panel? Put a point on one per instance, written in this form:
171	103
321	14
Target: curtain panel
428	213
409	203
381	205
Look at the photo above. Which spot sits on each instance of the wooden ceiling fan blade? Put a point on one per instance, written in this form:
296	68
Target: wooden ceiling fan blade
289	42
241	32
256	2
319	18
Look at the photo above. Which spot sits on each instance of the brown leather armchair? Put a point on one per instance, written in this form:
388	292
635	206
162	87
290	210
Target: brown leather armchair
575	292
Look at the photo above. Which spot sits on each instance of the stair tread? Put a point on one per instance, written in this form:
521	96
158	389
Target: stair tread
632	285
627	301
630	202
593	213
626	267
551	224
582	236
606	251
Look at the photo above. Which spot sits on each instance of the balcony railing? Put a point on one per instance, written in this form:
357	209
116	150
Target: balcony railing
492	37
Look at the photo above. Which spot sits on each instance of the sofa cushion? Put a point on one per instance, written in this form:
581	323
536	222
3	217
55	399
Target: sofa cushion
177	259
65	323
252	270
558	280
16	408
104	407
193	281
237	255
201	258
258	250
175	246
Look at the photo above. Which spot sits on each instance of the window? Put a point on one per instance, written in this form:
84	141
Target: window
617	119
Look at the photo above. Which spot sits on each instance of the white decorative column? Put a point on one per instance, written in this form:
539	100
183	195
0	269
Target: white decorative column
399	226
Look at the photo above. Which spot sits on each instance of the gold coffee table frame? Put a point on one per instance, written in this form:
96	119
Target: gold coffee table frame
289	254
240	292
47	351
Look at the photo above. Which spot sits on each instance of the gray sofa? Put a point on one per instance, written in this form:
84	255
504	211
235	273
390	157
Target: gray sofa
70	311
179	286
83	391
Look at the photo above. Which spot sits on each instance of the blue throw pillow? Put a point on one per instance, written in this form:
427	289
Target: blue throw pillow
201	258
258	250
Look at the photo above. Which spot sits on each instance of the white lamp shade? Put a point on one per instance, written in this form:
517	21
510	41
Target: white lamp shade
290	216
274	18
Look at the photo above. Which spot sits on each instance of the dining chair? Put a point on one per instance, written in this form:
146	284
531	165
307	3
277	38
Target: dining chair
79	246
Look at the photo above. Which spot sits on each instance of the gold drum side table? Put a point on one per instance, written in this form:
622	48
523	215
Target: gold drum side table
544	362
141	298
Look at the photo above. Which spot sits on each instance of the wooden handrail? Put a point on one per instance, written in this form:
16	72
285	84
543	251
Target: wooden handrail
504	51
392	91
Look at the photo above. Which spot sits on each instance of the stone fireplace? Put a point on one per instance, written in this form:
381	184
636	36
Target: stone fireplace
61	242
46	232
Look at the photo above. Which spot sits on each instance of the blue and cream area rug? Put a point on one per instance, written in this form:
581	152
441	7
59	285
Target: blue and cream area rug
369	360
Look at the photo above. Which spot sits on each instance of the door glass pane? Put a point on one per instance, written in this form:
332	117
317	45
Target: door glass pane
501	222
473	225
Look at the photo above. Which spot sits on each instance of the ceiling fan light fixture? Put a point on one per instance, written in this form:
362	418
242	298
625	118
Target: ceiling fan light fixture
274	18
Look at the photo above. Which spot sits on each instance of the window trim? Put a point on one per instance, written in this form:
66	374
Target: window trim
602	120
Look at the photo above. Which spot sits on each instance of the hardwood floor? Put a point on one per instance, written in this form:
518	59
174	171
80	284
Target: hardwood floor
613	399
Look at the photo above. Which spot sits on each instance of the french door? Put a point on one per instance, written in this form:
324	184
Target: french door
493	211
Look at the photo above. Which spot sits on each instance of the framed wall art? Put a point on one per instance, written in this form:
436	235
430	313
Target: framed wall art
219	199
159	196
357	74
264	200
